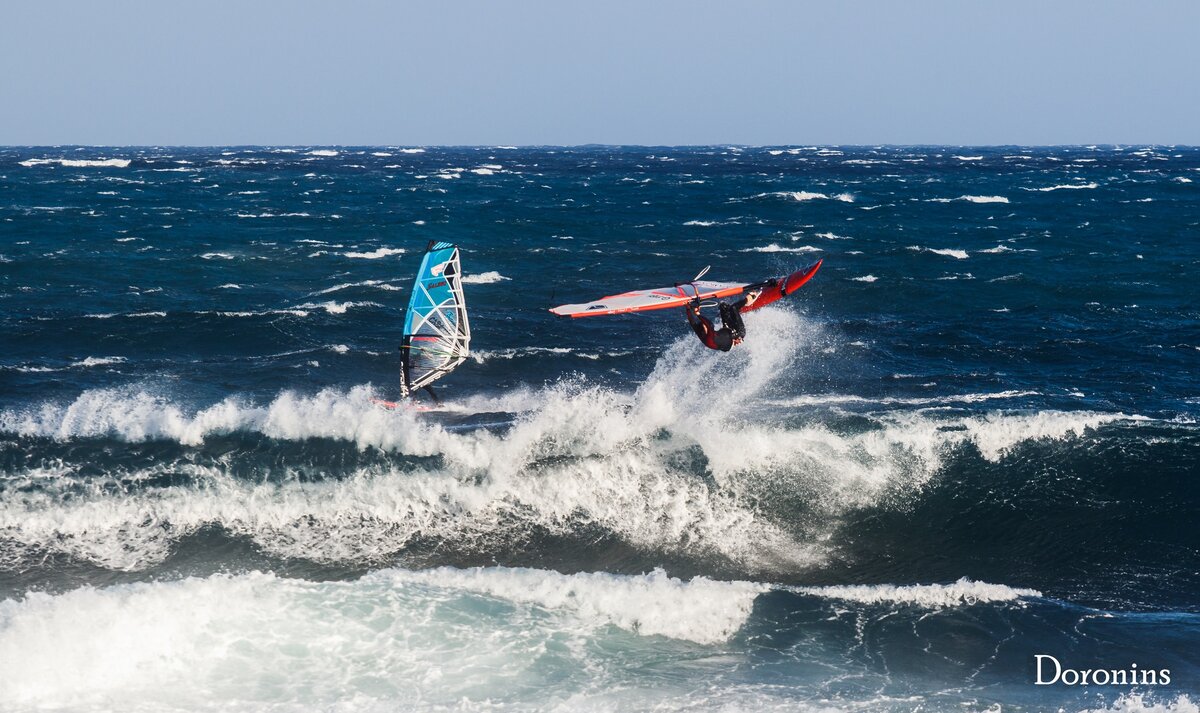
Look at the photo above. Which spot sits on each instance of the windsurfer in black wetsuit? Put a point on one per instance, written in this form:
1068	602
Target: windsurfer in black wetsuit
732	330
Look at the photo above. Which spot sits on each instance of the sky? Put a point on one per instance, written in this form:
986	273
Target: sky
566	72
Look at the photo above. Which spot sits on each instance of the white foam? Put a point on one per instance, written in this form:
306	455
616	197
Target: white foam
971	199
795	195
703	223
78	163
808	196
948	252
865	278
26	369
777	248
375	254
377	284
229	286
700	610
322	152
413	150
484	278
1066	186
1146	703
970	398
448	639
929	596
336	307
260	313
217	256
996	434
99	361
832	236
969	158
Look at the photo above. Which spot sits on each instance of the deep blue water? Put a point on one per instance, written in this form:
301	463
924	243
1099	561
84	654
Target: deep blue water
970	439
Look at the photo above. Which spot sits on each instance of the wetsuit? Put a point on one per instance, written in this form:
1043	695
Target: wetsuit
731	325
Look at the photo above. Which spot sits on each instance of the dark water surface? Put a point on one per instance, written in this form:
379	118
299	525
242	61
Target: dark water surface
972	438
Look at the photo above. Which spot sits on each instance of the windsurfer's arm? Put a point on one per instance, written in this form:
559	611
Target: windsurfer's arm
699	324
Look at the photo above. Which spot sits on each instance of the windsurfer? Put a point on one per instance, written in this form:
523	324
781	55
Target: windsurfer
732	330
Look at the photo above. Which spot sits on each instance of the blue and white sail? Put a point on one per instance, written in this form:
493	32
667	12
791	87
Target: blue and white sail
437	334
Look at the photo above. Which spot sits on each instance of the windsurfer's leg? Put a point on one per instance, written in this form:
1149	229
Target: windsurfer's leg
436	400
731	318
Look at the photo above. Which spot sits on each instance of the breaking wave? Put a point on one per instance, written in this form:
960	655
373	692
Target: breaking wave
930	596
808	196
971	199
948	252
332	307
78	163
777	248
434	635
375	254
573	457
484	278
402	635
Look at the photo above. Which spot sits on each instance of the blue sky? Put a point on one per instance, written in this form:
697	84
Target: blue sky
563	72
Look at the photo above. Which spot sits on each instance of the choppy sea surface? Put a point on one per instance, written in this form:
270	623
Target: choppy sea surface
972	438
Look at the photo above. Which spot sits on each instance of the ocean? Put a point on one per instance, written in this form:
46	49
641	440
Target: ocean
970	440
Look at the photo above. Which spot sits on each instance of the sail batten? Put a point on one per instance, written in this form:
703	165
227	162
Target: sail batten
437	333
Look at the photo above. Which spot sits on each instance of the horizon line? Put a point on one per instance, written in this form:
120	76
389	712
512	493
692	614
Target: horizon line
599	145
